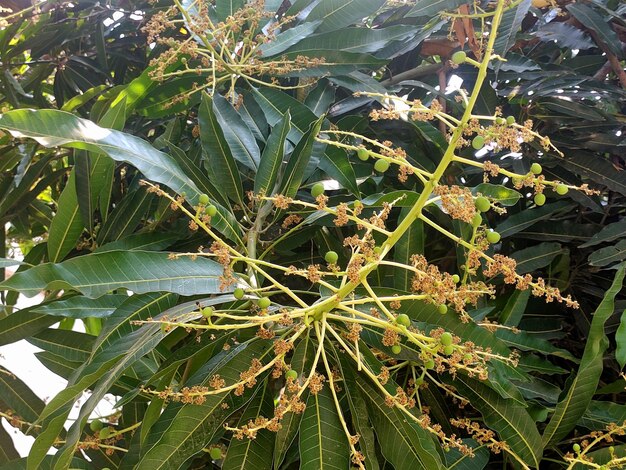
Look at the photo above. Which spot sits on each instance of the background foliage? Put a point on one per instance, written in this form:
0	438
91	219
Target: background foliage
71	199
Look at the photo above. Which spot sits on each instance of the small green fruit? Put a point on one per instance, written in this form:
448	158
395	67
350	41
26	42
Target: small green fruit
500	121
396	349
477	220
104	433
96	425
211	210
291	374
510	120
429	364
317	190
264	302
536	169
576	447
203	199
403	320
540	199
215	453
446	338
467	358
442	309
381	166
363	154
456	278
493	237
331	257
419	381
459	57
561	189
478	142
238	293
482	204
207	312
448	350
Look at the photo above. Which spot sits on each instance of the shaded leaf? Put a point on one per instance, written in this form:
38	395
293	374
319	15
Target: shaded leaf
607	255
573	405
535	257
337	14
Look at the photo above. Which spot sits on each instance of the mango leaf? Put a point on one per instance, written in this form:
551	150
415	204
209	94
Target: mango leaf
565	35
185	429
221	165
459	461
286	39
272	157
253	453
7	449
412	241
52	128
71	345
528	217
608	233
599	414
497	192
620	339
573	405
140	271
294	170
607	255
301	361
597	169
323	443
17	396
434	7
509	27
126	216
119	345
512	422
336	164
403	443
67	224
337	14
593	20
320	98
242	143
6	262
22	324
535	257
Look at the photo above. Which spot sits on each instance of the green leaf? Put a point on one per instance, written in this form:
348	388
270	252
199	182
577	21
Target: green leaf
6	262
7	449
272	157
119	345
140	271
535	257
411	242
22	324
323	443
185	429
509	27
594	21
336	164
434	7
459	461
403	443
71	345
337	14
502	194
19	397
237	134
608	233
362	40
573	405
597	169
599	414
286	39
607	255
526	218
67	224
151	241
320	98
515	307
512	422
253	453
335	63
620	340
126	216
300	362
294	170
226	8
52	128
223	171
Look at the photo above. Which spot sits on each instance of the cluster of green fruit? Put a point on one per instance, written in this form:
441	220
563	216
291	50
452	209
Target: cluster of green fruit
209	209
483	205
